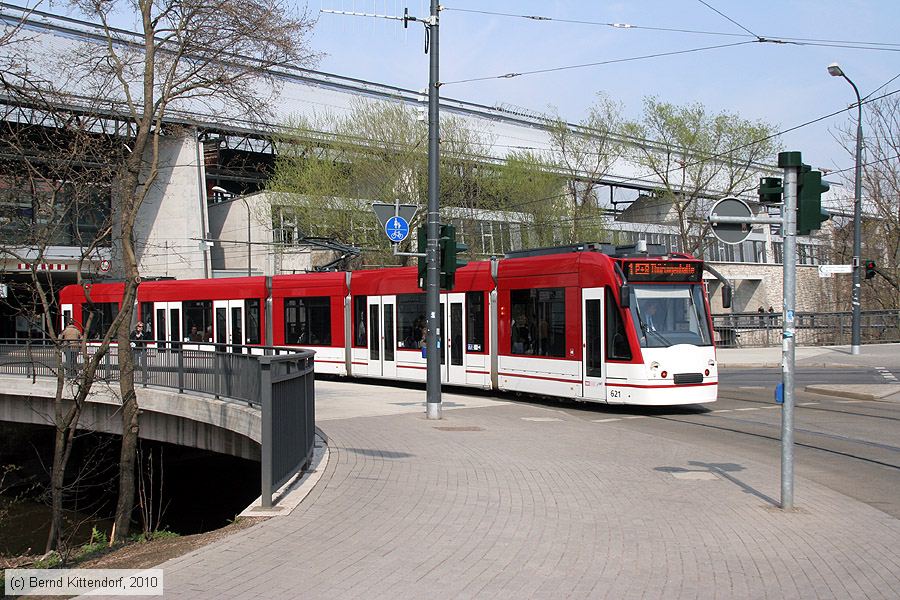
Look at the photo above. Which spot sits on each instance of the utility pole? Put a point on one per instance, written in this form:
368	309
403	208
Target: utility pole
790	162
432	289
433	217
796	208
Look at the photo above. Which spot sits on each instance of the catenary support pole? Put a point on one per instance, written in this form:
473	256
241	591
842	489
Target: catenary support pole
432	274
791	162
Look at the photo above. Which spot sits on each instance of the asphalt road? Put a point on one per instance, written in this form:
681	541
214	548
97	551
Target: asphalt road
851	446
804	376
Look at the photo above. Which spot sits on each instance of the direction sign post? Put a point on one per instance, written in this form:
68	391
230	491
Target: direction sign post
831	270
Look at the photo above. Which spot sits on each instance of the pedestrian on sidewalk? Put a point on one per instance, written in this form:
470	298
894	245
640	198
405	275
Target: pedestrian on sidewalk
71	341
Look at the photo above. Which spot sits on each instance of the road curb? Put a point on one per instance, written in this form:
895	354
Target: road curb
823	391
856	395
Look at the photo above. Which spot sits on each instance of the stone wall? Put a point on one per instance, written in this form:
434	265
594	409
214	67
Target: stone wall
757	285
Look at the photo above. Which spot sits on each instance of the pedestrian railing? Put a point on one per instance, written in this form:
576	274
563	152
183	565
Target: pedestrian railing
754	330
280	382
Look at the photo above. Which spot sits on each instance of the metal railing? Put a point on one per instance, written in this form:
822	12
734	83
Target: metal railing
755	330
288	426
278	381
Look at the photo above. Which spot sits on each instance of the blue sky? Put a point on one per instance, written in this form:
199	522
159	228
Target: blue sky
783	84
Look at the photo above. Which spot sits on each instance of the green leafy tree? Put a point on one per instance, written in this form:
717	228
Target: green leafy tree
698	157
583	157
331	168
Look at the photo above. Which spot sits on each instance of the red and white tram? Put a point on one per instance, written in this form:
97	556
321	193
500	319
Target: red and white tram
584	322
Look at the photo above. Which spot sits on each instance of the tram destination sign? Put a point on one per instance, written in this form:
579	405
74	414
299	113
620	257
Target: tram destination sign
663	271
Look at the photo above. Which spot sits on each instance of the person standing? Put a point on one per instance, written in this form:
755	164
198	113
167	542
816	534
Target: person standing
139	339
71	340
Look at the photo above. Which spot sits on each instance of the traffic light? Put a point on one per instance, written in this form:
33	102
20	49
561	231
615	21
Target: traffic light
871	269
810	188
770	190
422	244
450	262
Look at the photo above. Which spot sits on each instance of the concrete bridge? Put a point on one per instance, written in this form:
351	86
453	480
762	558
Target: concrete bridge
222	426
269	415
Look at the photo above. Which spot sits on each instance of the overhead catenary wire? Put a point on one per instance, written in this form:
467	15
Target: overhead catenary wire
512	75
720	13
629	26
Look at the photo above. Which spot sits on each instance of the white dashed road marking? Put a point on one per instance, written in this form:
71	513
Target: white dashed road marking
605	420
886	374
541	419
743	409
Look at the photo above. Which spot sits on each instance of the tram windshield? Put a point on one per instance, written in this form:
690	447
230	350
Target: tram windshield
666	315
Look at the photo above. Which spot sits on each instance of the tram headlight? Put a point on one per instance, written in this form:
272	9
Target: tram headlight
706	372
664	374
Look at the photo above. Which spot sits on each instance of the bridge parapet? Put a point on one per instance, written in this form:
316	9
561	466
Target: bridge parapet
248	405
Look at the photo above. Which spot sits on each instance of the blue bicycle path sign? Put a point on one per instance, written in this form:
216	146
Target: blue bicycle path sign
397	229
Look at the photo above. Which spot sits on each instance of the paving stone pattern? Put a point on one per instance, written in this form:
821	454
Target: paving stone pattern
499	505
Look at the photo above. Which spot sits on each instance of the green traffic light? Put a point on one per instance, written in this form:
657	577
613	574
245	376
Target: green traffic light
810	188
770	190
422	244
450	259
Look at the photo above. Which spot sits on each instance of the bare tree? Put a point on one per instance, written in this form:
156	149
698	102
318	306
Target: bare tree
55	179
880	201
188	55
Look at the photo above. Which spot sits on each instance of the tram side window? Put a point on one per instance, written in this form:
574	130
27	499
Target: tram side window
198	320
146	313
411	325
538	325
103	314
307	321
617	347
475	324
252	310
359	321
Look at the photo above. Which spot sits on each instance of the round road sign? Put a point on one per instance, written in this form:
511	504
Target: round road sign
731	233
396	229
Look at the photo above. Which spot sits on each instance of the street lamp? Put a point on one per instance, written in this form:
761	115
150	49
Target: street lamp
223	191
835	70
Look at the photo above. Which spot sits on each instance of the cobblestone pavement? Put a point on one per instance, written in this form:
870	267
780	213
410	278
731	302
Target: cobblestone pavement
514	500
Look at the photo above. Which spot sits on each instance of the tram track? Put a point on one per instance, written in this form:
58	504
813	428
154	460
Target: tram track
802	444
815	408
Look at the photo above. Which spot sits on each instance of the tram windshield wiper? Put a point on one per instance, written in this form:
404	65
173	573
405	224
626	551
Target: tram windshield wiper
647	330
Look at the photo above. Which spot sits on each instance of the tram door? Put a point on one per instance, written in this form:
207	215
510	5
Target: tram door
453	339
229	323
593	369
382	340
167	324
